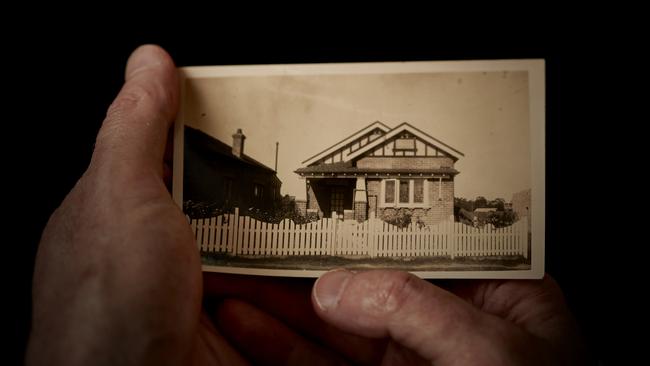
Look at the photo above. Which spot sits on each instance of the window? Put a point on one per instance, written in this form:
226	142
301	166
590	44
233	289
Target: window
258	191
227	189
337	199
390	191
418	191
403	193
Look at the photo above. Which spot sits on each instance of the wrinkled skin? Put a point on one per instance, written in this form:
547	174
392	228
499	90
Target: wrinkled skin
118	280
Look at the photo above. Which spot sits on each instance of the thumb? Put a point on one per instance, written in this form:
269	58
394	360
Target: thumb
134	132
434	323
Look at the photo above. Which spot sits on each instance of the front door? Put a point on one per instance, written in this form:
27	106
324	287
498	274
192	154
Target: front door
337	203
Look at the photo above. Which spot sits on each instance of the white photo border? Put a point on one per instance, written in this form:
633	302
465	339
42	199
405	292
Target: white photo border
537	118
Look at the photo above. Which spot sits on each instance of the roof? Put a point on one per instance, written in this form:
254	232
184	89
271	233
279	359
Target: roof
485	209
455	154
214	146
347	167
377	125
374	136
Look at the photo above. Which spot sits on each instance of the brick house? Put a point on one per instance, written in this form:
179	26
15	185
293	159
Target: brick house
223	176
385	171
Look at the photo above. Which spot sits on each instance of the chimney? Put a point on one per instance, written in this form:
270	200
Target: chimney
238	143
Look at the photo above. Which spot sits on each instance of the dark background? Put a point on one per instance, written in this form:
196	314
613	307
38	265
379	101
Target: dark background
63	78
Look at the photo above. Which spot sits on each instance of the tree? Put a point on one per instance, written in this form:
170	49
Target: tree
463	203
499	204
502	218
480	202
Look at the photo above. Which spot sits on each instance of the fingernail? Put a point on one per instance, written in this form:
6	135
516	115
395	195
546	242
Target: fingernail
329	287
142	58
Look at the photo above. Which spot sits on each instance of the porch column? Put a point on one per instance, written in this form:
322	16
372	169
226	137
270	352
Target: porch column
303	203
360	200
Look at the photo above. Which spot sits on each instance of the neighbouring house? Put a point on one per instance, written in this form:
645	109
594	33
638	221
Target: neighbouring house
385	171
521	205
467	217
482	214
224	176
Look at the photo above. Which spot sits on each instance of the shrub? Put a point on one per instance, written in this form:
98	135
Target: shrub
400	218
201	210
501	218
284	208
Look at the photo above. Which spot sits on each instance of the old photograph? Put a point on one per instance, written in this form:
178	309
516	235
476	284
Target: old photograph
436	168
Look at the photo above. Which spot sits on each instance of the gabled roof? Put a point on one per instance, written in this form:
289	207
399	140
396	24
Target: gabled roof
455	154
203	141
375	125
372	137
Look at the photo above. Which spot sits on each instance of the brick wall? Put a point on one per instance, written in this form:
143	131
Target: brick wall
361	211
373	187
442	209
383	162
311	199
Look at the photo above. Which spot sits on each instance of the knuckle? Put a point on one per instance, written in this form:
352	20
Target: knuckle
128	100
133	101
391	292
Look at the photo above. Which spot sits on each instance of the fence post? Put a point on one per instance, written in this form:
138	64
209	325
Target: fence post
451	238
235	232
199	235
372	236
335	236
212	234
524	236
218	243
193	224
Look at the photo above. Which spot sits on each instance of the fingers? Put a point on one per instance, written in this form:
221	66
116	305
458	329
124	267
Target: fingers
266	340
288	300
134	133
212	348
536	306
416	314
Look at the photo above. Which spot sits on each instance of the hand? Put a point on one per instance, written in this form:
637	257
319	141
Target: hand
479	323
394	318
117	277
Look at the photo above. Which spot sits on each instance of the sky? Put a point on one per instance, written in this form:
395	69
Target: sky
485	115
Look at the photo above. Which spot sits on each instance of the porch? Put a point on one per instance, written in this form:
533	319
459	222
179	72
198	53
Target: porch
344	197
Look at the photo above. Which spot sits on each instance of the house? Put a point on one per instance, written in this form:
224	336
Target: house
467	217
482	214
521	205
385	171
224	176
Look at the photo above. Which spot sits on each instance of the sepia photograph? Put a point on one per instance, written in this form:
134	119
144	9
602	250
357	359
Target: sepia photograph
436	168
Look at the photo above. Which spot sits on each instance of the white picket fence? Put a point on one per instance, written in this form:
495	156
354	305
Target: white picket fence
243	235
